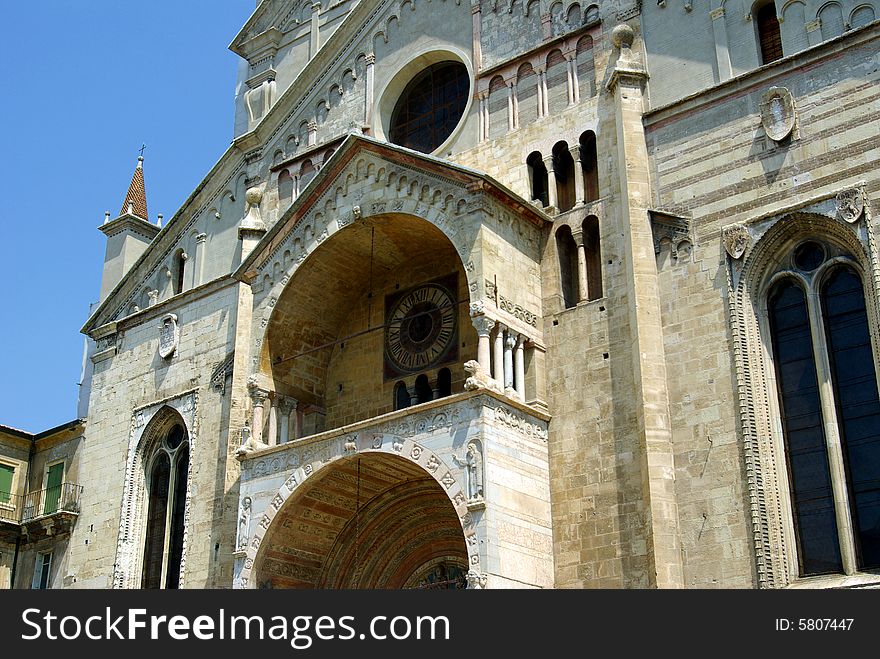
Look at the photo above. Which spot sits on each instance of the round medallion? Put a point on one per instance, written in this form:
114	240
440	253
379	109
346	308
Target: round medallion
421	328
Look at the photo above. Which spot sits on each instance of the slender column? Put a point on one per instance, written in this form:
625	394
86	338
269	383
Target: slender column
582	265
258	398
482	116
519	368
836	462
484	326
370	85
650	395
551	182
298	420
314	42
286	407
201	240
477	42
498	354
569	81
540	88
509	345
272	430
544	95
575	83
510	114
485	107
722	54
513	86
580	193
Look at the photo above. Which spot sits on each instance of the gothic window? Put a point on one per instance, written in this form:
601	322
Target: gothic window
769	37
430	107
590	229
563	167
401	396
568	266
538	178
166	497
589	160
829	409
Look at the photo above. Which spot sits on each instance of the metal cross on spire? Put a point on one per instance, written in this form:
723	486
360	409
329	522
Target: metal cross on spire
142	149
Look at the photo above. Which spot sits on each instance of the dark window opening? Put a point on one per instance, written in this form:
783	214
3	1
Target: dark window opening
568	266
424	393
563	167
593	254
154	548
538	178
768	34
430	107
401	396
589	163
444	382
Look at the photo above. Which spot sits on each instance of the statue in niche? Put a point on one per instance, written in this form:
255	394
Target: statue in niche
244	520
472	464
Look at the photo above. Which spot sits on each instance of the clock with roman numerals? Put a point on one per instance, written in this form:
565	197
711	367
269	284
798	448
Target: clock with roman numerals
421	329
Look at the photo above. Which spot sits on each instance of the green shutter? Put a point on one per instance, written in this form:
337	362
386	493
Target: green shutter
6	474
53	487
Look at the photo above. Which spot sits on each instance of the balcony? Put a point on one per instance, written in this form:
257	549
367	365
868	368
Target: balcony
365	505
49	511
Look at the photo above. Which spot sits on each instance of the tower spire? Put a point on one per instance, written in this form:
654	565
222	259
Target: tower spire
136	200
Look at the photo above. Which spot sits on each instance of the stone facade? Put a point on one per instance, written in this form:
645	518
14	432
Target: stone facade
607	214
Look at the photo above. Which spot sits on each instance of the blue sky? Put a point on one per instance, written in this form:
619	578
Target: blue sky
85	83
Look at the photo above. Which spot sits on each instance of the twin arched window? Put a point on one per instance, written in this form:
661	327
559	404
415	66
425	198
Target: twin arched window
166	494
830	412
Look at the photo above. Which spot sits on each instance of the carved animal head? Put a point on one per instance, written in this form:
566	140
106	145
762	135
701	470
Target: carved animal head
471	367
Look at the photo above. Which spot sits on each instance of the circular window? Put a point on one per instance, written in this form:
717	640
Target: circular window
430	107
175	437
808	256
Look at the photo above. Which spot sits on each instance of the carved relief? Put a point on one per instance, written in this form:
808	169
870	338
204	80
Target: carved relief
736	240
478	378
850	204
472	463
169	335
244	520
777	113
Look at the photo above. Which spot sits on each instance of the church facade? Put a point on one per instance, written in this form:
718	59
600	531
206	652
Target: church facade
492	294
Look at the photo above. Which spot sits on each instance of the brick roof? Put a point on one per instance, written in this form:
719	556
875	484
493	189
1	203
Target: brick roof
137	194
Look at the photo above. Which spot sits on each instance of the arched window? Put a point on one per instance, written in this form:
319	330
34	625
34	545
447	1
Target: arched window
860	16
444	382
424	393
563	168
285	187
593	257
166	496
430	107
589	163
538	178
568	266
819	335
401	396
769	37
179	271
831	20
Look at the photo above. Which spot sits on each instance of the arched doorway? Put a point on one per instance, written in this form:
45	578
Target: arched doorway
373	520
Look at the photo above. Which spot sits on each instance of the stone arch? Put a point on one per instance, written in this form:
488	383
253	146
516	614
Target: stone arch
766	243
149	425
399	463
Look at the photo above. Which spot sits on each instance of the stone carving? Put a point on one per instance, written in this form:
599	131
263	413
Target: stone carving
478	378
517	311
248	443
350	446
850	204
244	520
169	335
519	423
473	466
736	240
476	581
777	113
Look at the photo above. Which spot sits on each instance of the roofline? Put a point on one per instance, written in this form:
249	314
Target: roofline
346	152
34	437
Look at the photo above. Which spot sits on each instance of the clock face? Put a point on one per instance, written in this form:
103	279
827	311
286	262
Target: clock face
421	329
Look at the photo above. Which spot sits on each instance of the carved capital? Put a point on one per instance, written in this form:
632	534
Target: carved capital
715	14
370	59
483	325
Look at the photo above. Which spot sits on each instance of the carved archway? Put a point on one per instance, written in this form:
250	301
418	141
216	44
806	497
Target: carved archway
370	518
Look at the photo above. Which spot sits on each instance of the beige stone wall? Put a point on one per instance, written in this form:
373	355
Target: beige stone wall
137	376
712	161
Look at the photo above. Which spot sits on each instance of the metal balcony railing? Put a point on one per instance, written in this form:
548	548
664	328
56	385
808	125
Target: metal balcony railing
20	509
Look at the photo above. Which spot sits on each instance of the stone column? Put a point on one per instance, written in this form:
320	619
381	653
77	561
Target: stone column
485	106
722	55
315	39
569	81
498	355
580	193
482	115
510	115
543	96
252	227
509	344
552	192
284	409
650	394
519	368
298	420
513	87
313	133
272	430
370	85
575	83
476	12
583	291
484	326
199	275
258	399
